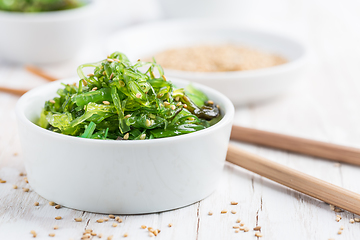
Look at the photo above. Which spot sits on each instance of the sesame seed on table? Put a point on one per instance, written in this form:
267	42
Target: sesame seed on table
324	106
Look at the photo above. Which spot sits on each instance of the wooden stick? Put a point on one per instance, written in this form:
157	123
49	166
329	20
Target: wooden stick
296	180
13	90
299	145
40	73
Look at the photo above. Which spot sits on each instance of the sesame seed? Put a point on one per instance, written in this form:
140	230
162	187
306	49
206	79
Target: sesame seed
151	234
110	237
155	232
178	104
36	204
210	213
126	235
258	234
119	220
127	116
150	229
90	74
338	210
338	216
246	229
15	187
106	102
52	203
116	60
211	102
185	106
106	219
110	60
234	203
100	220
224	211
111	216
52	234
238	220
58	217
88	231
241	228
357	219
166	104
147	123
33	233
93	234
138	95
177	99
170	225
114	225
143	136
57	206
94	89
111	76
236	226
78	219
26	180
52	101
2	181
15	154
257	228
352	221
172	107
242	224
233	211
100	235
56	227
339	232
22	174
342	228
143	226
236	230
126	136
26	189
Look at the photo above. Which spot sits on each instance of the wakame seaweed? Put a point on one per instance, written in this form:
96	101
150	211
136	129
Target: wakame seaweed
38	5
118	101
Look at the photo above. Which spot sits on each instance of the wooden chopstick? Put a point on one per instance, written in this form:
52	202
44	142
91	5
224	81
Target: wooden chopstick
296	180
40	73
295	144
13	90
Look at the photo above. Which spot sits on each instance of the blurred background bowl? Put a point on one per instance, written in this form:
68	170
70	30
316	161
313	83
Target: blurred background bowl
44	37
241	87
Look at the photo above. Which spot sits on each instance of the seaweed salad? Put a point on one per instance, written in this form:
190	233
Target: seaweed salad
118	101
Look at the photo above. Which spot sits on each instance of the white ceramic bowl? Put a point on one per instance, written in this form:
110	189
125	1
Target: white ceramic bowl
46	36
122	177
240	86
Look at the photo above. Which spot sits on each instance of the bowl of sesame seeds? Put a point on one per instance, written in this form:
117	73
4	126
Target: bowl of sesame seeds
247	65
122	177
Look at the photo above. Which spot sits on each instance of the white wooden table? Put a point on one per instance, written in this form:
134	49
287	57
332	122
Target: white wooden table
325	106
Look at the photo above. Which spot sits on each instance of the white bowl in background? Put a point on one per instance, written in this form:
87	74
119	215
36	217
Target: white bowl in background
240	86
122	177
44	37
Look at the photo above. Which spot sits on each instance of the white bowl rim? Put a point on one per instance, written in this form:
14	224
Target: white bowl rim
49	15
225	24
19	110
